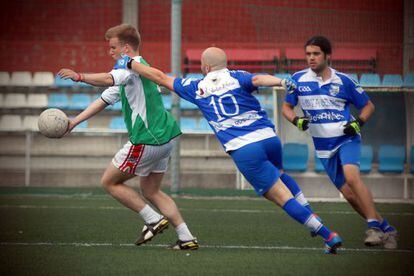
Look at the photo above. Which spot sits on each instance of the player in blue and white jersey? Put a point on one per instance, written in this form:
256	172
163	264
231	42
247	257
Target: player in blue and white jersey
244	130
325	96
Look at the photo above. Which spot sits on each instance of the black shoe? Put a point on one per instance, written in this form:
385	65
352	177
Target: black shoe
185	245
150	230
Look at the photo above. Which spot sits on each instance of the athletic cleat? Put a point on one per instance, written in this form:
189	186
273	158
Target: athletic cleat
185	245
313	233
374	237
333	243
150	230
390	240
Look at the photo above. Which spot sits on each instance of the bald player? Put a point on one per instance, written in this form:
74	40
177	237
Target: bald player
243	128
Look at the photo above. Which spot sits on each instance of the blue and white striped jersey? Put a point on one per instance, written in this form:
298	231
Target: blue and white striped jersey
224	97
326	104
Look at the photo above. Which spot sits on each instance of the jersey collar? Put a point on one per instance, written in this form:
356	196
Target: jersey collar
311	76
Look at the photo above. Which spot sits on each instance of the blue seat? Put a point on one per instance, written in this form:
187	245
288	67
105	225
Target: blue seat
79	101
282	75
188	124
412	159
367	155
83	125
318	164
295	157
353	76
187	105
392	80
59	82
195	76
391	158
167	100
204	126
58	100
409	80
117	123
370	80
117	106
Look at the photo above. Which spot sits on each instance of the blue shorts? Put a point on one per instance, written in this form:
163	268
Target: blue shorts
348	153
260	163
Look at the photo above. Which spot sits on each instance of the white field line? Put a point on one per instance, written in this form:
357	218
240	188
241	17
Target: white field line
252	211
228	247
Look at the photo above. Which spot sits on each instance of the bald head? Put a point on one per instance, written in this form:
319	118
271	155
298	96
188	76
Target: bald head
213	59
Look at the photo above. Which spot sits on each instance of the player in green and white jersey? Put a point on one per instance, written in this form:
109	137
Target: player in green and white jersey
152	131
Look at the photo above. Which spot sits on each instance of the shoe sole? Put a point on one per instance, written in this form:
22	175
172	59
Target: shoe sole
333	249
162	228
372	244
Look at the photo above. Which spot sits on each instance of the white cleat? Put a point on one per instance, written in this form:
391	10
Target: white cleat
374	237
390	240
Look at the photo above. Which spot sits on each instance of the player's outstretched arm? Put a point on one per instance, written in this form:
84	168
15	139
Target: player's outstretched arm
98	79
148	72
266	80
95	107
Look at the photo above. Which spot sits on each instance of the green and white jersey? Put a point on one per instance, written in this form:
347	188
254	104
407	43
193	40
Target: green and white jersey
145	117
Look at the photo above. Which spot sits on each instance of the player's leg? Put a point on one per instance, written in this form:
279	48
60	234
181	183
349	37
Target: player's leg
252	162
122	168
274	153
150	186
113	182
361	197
152	168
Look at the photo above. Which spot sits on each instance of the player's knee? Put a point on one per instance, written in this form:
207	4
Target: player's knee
106	183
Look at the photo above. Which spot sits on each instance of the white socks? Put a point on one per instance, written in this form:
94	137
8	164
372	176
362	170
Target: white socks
149	215
183	232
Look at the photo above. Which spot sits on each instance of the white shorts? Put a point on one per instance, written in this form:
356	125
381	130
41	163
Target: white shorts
143	159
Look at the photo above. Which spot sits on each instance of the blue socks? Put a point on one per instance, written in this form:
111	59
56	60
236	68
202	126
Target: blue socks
385	227
295	190
305	217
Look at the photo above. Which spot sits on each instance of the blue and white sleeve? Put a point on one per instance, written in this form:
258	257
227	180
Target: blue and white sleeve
186	88
356	94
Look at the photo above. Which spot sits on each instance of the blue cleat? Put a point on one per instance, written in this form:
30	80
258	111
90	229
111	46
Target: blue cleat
333	243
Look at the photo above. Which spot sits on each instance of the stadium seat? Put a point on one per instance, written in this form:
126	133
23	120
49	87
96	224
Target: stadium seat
21	79
187	105
15	100
412	159
204	126
83	125
195	76
353	76
59	82
58	100
4	79
370	80
392	81
30	122
282	75
188	124
409	80
11	123
391	159
367	155
117	106
79	101
117	123
37	100
295	157
43	79
167	100
318	165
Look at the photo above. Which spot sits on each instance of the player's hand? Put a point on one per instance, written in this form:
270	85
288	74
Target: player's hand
70	74
289	85
71	126
353	128
123	63
302	123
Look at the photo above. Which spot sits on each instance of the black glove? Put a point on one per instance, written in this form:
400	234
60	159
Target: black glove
353	128
302	123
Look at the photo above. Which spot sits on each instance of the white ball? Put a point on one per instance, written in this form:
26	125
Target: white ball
53	123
